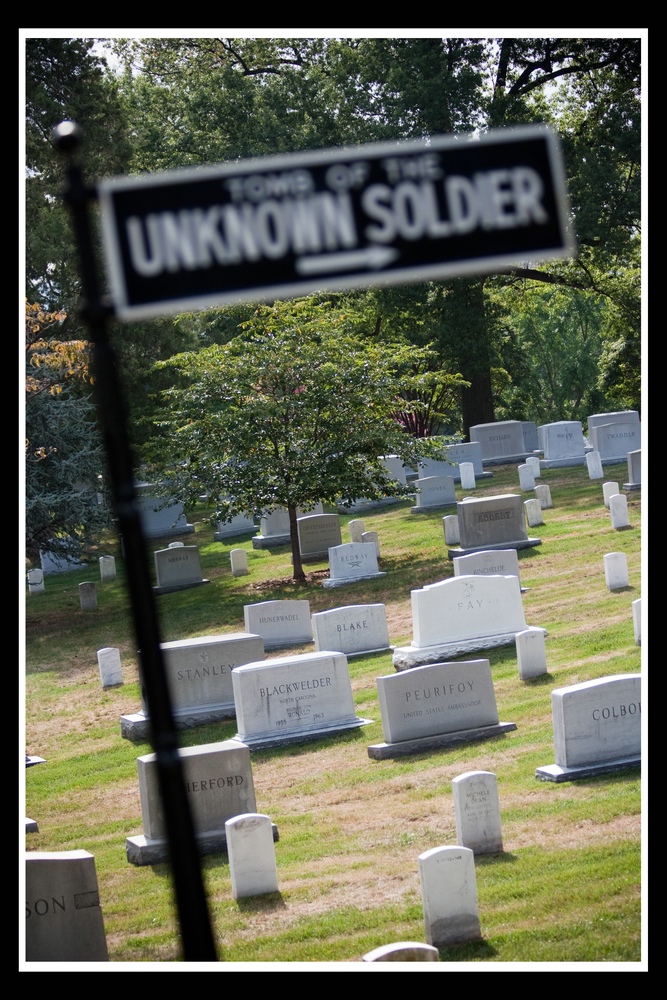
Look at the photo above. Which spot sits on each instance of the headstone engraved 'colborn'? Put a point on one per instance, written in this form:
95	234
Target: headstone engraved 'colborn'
597	728
294	699
219	785
358	628
439	705
199	677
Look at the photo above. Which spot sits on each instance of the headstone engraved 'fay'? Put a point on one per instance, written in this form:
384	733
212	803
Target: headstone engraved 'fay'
449	896
219	785
294	699
597	728
436	706
460	615
63	915
199	677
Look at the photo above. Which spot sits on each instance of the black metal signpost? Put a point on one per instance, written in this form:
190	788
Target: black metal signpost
279	227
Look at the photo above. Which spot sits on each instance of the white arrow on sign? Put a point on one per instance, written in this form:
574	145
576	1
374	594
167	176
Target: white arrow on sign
372	257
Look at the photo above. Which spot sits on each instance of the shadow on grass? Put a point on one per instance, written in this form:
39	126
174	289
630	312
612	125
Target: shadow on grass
467	952
268	902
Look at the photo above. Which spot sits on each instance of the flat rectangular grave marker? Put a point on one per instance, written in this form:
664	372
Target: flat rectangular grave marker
63	914
439	705
597	728
477	811
355	629
294	699
219	785
280	623
449	896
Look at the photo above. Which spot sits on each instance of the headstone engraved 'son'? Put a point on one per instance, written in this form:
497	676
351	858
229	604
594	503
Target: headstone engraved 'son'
177	567
477	811
294	699
219	785
462	614
352	562
358	628
492	523
280	623
199	677
449	896
597	728
440	705
252	855
62	906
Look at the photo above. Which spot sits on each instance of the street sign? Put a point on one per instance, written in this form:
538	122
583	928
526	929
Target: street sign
288	225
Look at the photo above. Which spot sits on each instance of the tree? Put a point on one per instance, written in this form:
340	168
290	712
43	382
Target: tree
63	453
289	413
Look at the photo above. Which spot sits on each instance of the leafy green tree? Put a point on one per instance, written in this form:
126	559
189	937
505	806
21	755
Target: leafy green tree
290	413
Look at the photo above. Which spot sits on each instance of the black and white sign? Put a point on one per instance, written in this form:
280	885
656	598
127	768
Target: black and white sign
343	218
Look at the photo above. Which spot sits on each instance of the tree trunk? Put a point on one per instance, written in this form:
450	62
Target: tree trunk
298	573
477	401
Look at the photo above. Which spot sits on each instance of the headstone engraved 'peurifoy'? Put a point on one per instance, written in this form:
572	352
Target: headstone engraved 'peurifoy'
440	705
597	728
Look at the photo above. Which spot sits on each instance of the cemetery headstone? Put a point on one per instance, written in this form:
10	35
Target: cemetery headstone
177	568
252	855
531	654
111	671
317	534
356	527
358	628
477	811
543	494
463	614
450	524
87	596
160	518
274	528
609	490
396	468
467	470
240	524
526	477
497	562
219	785
628	418
534	463
199	678
434	492
35	581
238	559
403	951
533	510
562	443
613	441
594	465
371	538
52	563
616	570
597	728
456	455
637	620
64	920
280	623
501	441
634	470
351	563
449	896
293	699
107	568
440	705
497	522
618	508
529	428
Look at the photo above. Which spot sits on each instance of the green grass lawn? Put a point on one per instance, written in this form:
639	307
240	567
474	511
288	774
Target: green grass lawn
567	887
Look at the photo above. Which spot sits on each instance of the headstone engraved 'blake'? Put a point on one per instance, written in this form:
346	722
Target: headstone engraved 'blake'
449	896
280	623
477	811
199	677
403	951
219	785
463	614
107	568
531	653
177	568
62	903
358	628
497	562
440	705
616	570
88	596
294	699
434	492
618	509
35	581
351	563
634	470
317	534
492	523
597	728
562	443
637	620
108	661
501	441
252	855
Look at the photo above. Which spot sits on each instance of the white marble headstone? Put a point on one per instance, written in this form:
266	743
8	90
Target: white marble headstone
450	524
616	570
618	508
543	494
637	620
533	509
449	896
64	920
526	477
252	855
88	596
594	465
108	661
467	471
107	568
531	653
357	628
477	811
597	721
609	490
